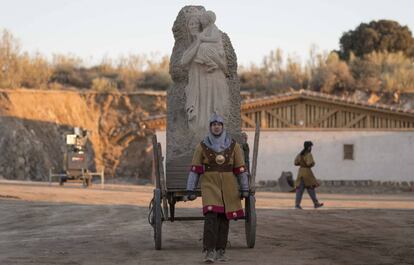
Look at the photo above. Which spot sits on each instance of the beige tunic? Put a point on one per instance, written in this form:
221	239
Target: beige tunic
305	164
220	190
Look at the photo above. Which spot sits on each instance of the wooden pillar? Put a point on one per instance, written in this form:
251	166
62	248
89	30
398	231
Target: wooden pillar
301	114
368	121
263	119
341	119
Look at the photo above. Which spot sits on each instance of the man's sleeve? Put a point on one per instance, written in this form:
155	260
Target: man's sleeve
238	164
197	162
239	169
196	168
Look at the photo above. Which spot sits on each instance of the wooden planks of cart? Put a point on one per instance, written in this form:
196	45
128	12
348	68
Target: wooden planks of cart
170	188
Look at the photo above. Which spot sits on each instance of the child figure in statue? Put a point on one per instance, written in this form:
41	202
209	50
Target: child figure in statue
210	52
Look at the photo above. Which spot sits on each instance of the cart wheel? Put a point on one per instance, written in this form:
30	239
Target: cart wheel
157	219
250	221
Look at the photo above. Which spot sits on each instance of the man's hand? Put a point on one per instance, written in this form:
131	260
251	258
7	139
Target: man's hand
244	194
191	195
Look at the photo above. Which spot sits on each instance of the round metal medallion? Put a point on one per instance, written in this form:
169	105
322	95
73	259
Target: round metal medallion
220	159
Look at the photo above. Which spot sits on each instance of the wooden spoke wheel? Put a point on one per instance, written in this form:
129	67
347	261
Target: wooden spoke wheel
157	219
250	221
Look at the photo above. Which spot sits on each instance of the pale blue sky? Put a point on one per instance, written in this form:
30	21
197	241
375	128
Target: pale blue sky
96	28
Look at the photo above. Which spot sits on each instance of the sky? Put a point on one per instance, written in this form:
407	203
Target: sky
95	29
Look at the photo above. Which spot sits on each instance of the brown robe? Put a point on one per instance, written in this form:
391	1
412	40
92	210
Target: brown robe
305	163
220	190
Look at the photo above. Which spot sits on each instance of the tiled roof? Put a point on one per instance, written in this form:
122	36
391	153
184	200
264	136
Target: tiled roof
307	94
263	101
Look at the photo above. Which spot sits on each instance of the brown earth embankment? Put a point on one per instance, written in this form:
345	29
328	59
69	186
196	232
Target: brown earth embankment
33	125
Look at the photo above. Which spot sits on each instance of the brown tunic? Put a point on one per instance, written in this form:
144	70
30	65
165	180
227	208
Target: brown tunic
219	187
305	163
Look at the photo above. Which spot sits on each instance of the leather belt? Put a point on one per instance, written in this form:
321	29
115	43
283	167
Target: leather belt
218	168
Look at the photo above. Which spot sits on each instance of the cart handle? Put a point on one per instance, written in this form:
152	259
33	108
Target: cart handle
254	162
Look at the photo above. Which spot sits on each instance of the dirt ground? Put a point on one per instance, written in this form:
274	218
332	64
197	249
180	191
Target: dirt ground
41	224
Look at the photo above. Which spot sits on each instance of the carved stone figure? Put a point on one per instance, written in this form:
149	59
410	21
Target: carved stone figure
207	90
203	67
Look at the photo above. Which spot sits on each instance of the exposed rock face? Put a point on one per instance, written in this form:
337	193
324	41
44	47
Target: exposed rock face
33	125
181	140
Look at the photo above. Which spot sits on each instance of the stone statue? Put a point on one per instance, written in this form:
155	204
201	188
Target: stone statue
207	90
203	68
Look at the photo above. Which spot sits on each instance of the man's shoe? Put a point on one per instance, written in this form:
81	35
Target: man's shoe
210	256
298	207
220	255
318	205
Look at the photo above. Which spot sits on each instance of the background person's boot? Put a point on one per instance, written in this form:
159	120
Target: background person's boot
318	205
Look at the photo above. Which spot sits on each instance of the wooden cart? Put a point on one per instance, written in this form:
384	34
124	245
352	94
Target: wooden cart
166	195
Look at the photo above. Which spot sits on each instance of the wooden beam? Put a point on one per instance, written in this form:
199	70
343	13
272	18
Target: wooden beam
252	180
341	119
369	121
355	121
353	106
263	120
266	103
276	105
301	113
280	118
248	120
324	117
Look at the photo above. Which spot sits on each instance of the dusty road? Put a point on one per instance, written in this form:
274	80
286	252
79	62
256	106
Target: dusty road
70	225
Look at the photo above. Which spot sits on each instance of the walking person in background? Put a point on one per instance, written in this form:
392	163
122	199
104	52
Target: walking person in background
305	178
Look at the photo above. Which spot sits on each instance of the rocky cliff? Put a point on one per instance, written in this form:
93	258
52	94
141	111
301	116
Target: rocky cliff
33	125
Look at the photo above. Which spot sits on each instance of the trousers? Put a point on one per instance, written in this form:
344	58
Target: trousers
299	193
216	231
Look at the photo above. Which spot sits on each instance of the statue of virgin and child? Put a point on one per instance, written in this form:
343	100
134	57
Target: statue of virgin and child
207	91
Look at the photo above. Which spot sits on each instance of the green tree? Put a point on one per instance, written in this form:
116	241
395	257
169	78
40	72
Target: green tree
379	36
